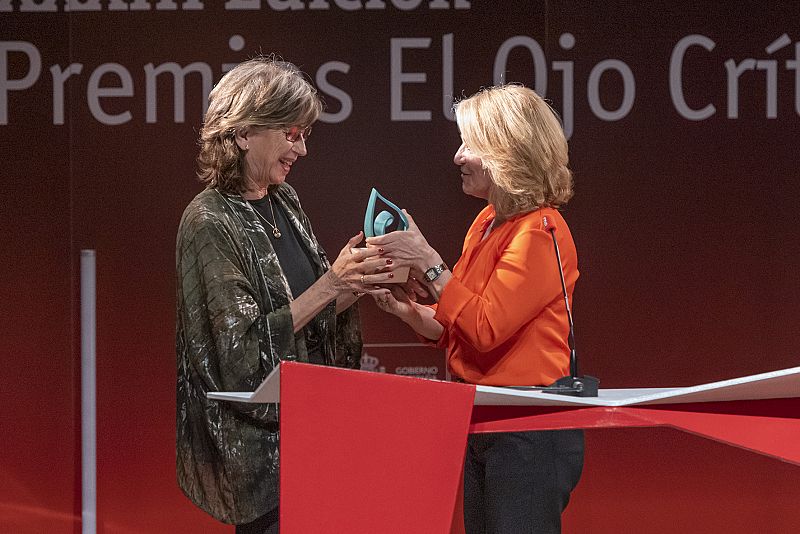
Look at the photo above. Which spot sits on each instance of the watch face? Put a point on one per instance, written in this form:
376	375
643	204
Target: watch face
434	272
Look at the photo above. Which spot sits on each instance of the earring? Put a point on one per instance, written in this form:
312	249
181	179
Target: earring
247	147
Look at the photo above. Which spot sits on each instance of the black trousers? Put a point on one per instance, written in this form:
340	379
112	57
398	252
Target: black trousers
266	524
520	482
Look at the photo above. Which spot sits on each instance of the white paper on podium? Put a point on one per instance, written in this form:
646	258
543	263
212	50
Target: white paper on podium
268	391
773	385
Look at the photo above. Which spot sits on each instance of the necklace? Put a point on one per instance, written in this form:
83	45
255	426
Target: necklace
274	224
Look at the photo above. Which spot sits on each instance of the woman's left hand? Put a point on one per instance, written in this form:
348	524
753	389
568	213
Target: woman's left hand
414	289
347	273
394	301
420	318
407	248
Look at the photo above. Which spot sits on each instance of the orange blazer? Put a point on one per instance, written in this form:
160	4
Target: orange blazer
503	311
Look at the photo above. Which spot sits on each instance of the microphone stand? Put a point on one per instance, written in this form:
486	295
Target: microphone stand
572	384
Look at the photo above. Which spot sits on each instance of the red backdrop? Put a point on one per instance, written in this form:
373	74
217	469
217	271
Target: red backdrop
683	120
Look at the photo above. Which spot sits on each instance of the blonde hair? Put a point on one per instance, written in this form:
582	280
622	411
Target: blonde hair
521	144
259	93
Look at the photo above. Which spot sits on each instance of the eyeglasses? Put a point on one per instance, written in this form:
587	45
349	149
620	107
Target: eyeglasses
294	133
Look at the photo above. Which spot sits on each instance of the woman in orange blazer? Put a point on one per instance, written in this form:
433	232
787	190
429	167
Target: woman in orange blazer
500	311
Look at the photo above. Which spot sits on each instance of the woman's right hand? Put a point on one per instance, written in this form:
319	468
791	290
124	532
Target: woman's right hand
408	248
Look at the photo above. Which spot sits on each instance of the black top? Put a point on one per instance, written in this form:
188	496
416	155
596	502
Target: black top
292	256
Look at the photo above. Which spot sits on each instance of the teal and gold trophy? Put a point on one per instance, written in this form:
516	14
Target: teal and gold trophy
383	223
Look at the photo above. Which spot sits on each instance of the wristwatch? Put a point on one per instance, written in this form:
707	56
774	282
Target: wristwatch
434	272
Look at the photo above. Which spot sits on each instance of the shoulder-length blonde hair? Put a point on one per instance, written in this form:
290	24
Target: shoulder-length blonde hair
259	93
520	142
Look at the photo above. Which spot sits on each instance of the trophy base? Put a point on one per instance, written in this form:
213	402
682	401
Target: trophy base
400	276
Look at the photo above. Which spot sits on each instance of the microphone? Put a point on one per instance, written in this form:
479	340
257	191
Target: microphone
572	384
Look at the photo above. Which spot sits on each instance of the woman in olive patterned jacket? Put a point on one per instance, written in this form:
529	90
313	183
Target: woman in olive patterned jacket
254	288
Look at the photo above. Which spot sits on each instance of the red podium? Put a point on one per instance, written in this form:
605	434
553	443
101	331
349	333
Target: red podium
362	451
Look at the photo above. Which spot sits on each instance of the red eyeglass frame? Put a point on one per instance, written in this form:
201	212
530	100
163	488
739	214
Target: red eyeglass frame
294	133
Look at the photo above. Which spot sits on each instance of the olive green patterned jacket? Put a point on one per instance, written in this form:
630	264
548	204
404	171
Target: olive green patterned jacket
233	327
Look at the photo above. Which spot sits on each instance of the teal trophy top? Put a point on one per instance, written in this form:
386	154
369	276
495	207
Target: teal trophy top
375	225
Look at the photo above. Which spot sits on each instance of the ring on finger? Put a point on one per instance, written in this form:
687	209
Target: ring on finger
362	279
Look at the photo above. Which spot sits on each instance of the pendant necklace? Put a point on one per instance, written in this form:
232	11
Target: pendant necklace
274	224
